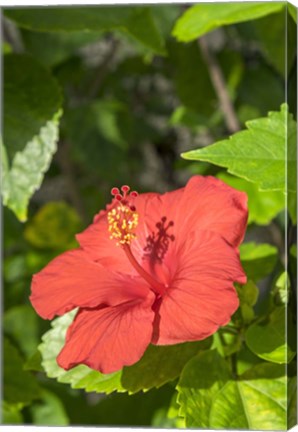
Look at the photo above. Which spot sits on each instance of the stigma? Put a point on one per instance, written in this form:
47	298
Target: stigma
123	217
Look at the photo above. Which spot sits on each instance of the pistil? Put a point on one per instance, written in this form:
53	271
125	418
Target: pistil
157	286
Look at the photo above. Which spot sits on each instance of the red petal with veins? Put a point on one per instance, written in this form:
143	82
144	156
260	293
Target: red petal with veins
74	280
109	338
201	296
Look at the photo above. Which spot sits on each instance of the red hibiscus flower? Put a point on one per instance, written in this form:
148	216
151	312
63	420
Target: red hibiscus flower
150	269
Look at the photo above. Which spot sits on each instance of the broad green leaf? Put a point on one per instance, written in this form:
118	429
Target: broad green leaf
25	175
257	400
26	336
160	364
201	380
157	366
258	153
258	260
10	414
30	98
53	227
211	398
270	340
49	410
262	206
136	21
19	386
202	18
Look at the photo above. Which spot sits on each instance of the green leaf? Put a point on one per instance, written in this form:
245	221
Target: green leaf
248	295
19	386
10	414
292	402
258	400
201	380
258	153
28	167
49	410
136	21
160	364
258	260
203	18
282	32
53	48
281	291
262	206
268	340
293	11
292	206
26	336
53	227
31	99
211	398
186	61
157	366
34	363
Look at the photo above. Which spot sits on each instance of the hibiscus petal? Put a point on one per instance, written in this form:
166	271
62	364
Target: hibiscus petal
74	280
209	204
201	296
109	338
95	240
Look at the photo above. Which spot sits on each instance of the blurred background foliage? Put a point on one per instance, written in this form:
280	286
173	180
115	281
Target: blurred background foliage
96	97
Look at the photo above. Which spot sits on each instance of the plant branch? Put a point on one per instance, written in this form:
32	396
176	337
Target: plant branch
11	35
102	70
220	87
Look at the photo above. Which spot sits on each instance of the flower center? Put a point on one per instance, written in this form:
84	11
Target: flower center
122	222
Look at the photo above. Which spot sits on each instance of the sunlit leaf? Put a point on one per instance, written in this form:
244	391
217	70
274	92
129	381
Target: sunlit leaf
211	398
201	380
202	18
264	387
262	206
136	21
258	260
258	153
157	366
269	339
25	175
32	103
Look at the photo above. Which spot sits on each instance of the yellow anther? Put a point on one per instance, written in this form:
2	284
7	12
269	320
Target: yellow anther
122	221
